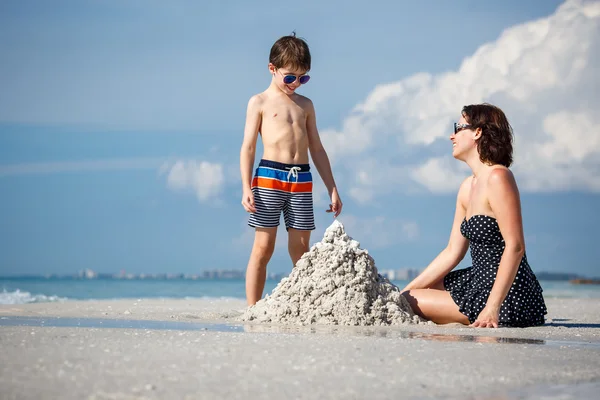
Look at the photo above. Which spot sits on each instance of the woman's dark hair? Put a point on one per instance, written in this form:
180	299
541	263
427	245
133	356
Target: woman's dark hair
495	145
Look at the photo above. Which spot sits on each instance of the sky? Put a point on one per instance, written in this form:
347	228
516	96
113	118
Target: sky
121	124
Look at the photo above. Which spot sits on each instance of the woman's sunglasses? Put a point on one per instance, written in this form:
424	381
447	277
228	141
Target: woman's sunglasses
460	127
289	79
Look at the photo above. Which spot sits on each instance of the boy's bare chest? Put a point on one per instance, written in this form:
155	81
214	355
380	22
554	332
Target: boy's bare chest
288	114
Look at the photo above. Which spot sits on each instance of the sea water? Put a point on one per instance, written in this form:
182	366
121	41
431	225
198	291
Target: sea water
35	290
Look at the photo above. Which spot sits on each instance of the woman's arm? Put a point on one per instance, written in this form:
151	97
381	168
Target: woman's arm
454	252
503	197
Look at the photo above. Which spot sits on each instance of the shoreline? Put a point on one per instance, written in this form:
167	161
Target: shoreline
567	319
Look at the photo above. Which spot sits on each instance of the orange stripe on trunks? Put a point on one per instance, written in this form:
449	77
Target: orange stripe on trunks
291	187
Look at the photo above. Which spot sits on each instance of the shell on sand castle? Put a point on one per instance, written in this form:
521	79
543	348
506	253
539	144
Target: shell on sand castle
334	283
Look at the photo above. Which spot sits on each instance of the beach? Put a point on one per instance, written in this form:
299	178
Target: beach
199	348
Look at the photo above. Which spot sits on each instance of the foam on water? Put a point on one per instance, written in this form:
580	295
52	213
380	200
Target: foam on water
19	297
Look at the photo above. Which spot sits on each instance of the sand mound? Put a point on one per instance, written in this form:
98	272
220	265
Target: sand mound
335	283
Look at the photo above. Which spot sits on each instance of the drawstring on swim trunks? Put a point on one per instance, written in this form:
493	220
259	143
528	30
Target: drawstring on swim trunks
294	172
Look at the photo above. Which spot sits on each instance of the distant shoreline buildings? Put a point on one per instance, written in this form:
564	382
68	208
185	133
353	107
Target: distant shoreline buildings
204	275
391	274
402	274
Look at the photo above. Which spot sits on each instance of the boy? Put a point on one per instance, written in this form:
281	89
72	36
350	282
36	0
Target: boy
282	181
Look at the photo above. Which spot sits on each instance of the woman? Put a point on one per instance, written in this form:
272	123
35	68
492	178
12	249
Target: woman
500	288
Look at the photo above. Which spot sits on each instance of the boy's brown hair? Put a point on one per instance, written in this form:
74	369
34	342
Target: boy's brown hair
290	52
496	142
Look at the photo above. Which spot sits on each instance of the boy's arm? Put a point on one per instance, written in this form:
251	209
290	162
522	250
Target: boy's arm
320	158
248	150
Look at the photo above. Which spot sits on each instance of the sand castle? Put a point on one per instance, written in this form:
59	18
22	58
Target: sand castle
334	283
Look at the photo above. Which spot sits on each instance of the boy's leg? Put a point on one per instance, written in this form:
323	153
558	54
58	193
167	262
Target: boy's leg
269	201
299	217
298	242
256	273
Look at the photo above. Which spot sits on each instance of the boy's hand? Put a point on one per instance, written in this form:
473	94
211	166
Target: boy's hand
248	201
336	204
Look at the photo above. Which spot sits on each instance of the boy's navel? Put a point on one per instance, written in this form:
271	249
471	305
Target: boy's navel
274	115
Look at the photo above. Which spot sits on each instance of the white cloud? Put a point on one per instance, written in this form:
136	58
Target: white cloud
440	175
371	179
361	195
205	179
354	137
379	232
115	164
569	156
542	73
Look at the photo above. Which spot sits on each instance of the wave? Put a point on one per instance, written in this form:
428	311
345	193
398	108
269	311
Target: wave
23	297
18	297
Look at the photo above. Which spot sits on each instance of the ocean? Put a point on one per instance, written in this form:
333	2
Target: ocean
36	290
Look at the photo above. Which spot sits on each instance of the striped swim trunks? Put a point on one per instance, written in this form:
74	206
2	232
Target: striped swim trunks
281	187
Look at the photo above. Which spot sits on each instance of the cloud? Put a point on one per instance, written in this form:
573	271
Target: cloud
205	179
373	179
439	174
542	73
116	164
380	232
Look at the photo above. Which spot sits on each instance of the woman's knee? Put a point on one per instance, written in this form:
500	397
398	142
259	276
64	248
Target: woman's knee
412	300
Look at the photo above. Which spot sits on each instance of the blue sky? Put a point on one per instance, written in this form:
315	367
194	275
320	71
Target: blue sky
121	122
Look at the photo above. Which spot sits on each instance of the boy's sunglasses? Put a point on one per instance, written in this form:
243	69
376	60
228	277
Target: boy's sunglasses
289	79
460	127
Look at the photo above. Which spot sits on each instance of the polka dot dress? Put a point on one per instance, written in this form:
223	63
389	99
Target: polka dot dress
470	287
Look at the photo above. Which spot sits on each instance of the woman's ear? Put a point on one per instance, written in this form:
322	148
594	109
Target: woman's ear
477	134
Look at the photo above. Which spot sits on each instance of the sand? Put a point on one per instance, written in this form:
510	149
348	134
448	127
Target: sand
274	361
333	329
334	283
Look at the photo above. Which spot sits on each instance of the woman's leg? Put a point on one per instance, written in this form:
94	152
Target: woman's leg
435	305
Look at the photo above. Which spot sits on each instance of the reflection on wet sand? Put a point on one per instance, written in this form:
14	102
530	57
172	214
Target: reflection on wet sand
386	333
571	391
382	332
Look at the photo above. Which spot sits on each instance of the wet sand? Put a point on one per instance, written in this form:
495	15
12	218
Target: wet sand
136	349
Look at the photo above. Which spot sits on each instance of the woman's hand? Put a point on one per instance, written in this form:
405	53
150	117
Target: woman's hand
488	318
